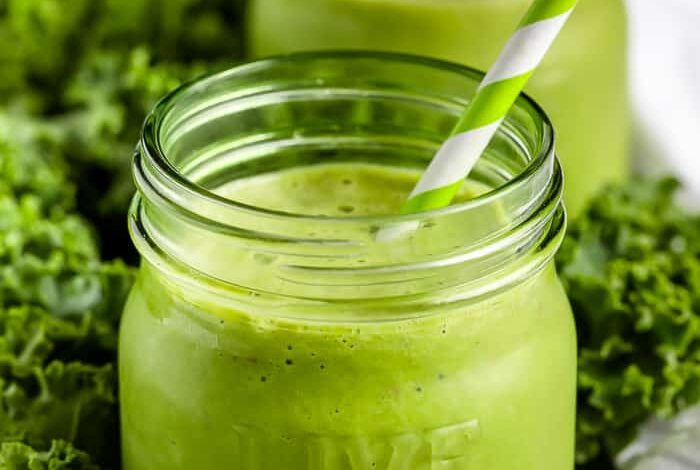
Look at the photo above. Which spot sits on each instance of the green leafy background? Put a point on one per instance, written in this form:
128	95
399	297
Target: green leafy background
76	80
631	268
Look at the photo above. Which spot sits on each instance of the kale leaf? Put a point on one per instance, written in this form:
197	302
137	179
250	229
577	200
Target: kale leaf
58	340
75	86
631	268
59	311
81	80
60	456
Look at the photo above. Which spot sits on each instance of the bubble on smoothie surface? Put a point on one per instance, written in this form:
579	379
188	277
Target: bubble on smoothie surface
263	258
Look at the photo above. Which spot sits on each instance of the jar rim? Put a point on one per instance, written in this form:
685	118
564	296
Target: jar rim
327	258
178	183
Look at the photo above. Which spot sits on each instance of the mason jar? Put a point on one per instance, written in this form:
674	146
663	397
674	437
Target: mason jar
285	317
582	82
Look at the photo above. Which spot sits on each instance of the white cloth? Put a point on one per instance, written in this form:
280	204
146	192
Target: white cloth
665	86
665	445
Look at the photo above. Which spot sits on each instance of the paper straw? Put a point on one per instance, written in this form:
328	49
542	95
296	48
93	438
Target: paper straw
489	106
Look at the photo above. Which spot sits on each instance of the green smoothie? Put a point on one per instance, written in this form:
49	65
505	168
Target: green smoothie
582	83
229	382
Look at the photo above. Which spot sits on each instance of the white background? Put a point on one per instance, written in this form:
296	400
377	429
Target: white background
665	86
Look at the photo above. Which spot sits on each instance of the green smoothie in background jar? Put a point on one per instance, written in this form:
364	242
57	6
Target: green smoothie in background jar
272	329
582	83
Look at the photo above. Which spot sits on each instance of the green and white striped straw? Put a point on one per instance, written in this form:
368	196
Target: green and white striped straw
494	98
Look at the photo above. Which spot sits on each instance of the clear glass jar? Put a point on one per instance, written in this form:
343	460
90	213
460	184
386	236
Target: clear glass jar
582	83
258	338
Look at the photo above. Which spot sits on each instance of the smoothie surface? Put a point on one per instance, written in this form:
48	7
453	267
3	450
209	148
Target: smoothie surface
334	189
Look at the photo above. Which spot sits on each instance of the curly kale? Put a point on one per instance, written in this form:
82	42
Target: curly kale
50	40
75	86
31	167
81	80
631	267
107	101
59	310
60	456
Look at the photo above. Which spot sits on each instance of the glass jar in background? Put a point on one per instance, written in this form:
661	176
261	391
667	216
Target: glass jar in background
274	325
582	83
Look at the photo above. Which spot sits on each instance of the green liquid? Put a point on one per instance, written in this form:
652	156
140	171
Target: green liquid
334	190
488	385
582	83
